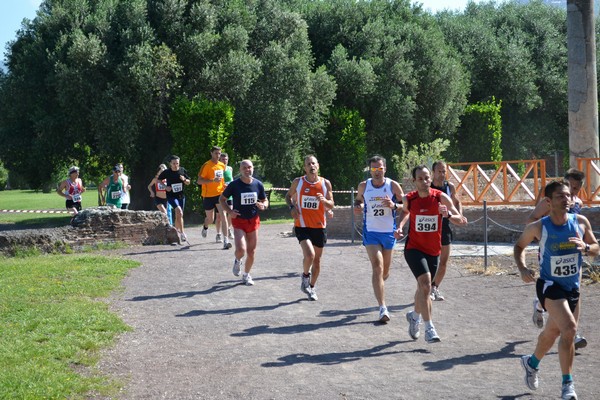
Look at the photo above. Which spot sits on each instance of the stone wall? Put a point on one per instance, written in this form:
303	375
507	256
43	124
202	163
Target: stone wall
505	223
94	226
106	225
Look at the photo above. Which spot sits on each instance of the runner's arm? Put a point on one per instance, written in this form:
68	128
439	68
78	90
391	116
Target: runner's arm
398	192
289	198
455	200
61	190
532	231
403	216
589	244
151	187
359	200
328	200
453	215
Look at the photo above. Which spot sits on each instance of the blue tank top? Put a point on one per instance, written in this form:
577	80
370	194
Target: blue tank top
560	261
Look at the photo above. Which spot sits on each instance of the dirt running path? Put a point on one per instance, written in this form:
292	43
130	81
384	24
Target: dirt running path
199	334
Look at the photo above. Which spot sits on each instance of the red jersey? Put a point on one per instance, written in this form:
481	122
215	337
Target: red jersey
425	229
74	189
311	212
160	186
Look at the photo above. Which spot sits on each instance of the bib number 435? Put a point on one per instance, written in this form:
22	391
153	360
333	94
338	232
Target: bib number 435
565	265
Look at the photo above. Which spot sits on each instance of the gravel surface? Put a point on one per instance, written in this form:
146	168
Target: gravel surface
199	334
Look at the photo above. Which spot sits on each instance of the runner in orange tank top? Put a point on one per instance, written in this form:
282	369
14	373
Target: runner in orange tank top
309	199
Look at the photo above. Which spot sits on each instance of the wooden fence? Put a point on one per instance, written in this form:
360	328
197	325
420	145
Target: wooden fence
515	182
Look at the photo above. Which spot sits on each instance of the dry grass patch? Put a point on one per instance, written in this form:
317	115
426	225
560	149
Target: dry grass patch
477	267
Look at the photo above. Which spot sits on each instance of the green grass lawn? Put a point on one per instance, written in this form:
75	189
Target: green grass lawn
52	324
32	200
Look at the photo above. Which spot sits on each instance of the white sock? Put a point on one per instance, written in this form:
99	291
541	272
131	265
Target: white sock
416	317
428	324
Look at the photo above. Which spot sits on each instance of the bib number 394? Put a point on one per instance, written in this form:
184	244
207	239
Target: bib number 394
426	223
564	266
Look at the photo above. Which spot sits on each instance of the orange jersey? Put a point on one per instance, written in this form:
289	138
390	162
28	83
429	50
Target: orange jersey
210	171
311	212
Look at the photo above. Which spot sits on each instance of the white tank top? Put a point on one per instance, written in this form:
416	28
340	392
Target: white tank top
377	217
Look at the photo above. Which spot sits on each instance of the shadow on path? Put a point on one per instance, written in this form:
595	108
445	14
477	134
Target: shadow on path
338	358
231	311
501	397
169	249
220	286
361	311
507	351
293	329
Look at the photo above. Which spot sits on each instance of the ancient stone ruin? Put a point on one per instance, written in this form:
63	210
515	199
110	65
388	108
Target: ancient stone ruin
94	226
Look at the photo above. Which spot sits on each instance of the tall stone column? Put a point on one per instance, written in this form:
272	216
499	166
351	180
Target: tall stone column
583	91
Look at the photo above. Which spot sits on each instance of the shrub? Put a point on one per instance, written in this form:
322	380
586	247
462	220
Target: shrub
196	125
425	153
480	134
344	147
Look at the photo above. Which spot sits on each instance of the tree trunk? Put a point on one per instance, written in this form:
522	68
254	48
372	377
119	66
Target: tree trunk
583	96
155	146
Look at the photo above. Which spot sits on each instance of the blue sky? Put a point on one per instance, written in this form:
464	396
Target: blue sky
12	13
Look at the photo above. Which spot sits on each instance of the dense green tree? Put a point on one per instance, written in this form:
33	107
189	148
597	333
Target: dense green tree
92	82
516	53
288	103
480	134
99	88
344	148
391	63
196	125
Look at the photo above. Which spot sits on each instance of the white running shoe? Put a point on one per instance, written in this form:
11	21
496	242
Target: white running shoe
226	244
219	238
531	374
247	279
183	237
204	232
384	315
305	284
413	326
538	316
435	294
237	266
230	235
580	341
431	335
312	294
568	391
